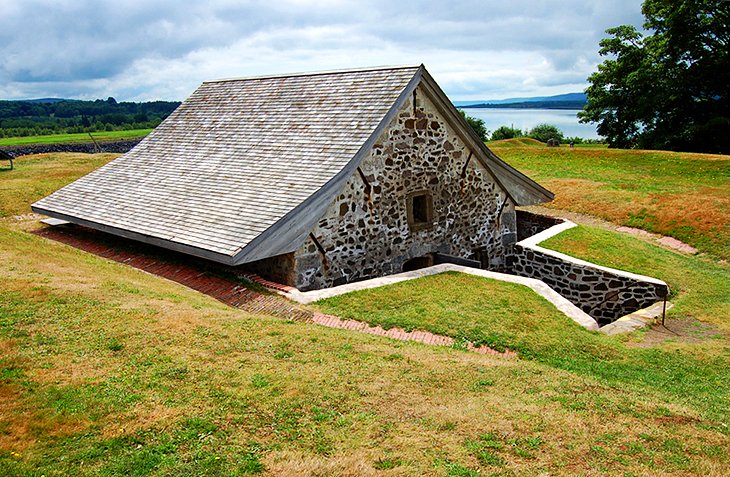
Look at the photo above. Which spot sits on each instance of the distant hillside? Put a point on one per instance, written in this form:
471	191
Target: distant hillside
45	100
560	101
532	105
67	116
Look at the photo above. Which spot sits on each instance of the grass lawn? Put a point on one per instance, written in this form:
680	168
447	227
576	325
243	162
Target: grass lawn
38	175
107	370
494	313
686	196
80	137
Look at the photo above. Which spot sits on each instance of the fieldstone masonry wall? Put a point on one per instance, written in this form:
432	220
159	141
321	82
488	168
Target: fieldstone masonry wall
280	269
366	231
602	293
529	224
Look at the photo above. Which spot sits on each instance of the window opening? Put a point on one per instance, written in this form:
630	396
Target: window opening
420	210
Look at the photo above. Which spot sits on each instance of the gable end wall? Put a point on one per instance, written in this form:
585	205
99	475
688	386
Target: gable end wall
365	231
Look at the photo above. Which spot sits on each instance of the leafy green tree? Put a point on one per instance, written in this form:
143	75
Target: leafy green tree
545	132
506	132
669	89
477	125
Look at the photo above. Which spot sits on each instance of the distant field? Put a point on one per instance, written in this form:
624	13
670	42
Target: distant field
683	195
81	137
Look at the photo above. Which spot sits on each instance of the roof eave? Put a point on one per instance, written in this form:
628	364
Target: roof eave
167	244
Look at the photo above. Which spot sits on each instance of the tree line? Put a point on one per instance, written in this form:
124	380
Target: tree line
667	87
31	118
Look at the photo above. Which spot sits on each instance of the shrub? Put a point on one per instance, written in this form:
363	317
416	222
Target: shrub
477	125
545	132
574	140
506	132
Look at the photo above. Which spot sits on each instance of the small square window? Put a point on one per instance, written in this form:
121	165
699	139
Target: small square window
420	210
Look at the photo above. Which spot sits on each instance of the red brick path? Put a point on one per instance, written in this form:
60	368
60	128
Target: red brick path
197	275
400	334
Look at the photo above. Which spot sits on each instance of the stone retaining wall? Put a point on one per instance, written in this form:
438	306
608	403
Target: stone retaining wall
85	147
603	293
529	224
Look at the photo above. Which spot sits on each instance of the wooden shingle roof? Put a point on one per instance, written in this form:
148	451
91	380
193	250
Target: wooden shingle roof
241	170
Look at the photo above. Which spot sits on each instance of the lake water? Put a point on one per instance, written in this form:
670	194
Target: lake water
565	120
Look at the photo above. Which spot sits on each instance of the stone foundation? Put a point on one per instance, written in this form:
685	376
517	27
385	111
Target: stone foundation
279	269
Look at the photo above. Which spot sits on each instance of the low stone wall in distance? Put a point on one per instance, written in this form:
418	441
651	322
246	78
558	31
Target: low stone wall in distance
85	147
603	293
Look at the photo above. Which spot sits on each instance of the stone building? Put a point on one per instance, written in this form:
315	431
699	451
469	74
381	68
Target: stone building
312	180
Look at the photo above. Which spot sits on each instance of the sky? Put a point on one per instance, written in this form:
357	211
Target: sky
141	50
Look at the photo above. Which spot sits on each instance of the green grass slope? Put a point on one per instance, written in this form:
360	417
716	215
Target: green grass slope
107	370
686	196
497	314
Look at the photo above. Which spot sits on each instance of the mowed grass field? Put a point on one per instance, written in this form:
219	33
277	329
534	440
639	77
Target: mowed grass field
107	370
77	137
686	196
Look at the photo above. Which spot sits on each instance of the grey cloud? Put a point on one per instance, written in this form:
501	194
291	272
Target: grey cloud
87	48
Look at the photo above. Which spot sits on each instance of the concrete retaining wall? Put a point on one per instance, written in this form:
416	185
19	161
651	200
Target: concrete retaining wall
570	310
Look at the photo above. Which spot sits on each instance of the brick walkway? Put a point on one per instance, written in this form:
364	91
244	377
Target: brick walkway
197	275
400	334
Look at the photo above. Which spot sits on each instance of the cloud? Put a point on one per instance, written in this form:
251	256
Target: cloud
134	49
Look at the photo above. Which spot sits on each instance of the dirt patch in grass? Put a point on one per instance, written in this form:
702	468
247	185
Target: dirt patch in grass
13	425
147	416
298	463
677	330
21	424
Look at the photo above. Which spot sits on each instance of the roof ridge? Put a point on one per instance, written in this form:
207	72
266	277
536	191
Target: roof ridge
316	73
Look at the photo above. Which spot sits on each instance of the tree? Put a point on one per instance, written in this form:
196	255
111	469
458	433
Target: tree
506	132
545	132
668	89
477	125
